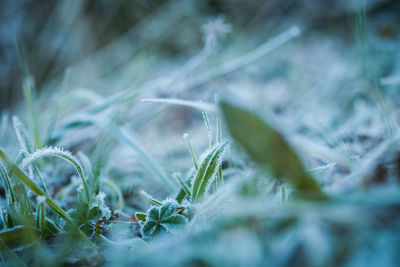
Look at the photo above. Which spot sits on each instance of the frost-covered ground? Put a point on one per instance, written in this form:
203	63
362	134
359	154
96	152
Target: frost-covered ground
229	133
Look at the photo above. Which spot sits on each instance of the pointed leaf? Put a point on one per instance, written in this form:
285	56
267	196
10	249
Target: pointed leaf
207	170
267	147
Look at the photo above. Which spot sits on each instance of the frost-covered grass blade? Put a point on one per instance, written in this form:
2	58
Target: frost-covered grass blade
207	170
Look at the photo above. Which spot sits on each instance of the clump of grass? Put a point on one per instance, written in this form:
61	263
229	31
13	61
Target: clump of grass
269	199
61	154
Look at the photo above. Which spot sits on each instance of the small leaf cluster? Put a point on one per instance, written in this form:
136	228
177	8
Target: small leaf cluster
162	218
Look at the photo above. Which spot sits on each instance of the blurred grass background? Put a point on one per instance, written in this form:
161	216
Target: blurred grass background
95	38
333	91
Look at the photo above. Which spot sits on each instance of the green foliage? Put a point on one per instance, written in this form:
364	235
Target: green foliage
207	171
25	180
141	217
164	218
208	127
86	215
61	154
230	209
22	135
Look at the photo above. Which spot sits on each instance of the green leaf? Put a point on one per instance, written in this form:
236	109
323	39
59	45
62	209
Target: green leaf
140	216
19	235
207	170
165	218
267	147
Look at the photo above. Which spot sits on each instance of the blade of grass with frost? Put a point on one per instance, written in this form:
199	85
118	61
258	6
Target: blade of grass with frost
51	125
36	169
219	181
41	214
267	147
58	153
26	148
7	183
182	102
29	93
186	137
23	207
22	136
207	170
151	198
183	185
116	189
115	99
30	103
88	95
77	95
242	61
188	182
22	177
208	126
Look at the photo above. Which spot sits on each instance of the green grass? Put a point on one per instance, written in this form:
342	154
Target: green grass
285	166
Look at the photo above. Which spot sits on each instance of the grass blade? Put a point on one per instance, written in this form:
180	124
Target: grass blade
208	126
7	183
22	136
41	215
183	185
116	189
182	102
207	170
186	137
29	93
151	198
61	154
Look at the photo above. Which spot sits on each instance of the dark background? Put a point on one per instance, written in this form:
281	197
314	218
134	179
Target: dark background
57	35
